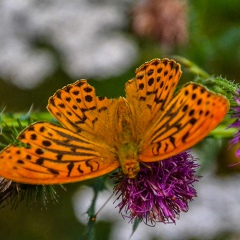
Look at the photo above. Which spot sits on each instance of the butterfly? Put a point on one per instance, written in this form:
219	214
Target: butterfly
100	135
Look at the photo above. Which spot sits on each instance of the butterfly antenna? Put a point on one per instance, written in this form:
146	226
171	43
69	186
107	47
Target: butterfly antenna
149	167
93	218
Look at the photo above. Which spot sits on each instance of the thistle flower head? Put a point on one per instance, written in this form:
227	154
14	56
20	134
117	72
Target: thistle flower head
236	123
160	191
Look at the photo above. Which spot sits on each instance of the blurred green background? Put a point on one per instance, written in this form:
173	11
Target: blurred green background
45	45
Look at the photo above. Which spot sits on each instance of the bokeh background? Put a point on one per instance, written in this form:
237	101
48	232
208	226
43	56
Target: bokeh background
47	44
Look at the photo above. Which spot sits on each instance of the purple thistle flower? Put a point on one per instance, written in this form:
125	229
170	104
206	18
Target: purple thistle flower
236	123
160	191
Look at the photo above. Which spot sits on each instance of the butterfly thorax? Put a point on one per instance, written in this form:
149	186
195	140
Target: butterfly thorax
127	148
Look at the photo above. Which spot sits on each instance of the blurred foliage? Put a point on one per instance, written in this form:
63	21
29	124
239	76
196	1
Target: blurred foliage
214	37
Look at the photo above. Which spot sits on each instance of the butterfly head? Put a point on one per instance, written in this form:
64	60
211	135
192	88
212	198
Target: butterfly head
129	159
131	168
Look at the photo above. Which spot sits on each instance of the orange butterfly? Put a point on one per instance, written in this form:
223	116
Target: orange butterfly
102	134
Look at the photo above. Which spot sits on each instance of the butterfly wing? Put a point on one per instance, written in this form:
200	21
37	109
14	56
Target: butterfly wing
186	120
77	108
150	91
55	155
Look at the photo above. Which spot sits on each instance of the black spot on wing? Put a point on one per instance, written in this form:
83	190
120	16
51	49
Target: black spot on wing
184	138
39	151
42	129
53	171
172	140
79	169
76	92
150	81
70	167
46	143
141	86
150	72
40	161
33	136
88	89
155	63
88	98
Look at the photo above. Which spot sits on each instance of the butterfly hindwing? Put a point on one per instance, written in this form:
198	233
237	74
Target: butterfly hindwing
188	118
53	154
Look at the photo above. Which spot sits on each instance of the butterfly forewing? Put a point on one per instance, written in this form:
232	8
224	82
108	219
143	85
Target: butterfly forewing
189	117
151	90
55	155
77	107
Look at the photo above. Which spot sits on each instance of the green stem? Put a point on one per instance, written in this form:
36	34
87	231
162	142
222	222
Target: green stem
192	67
